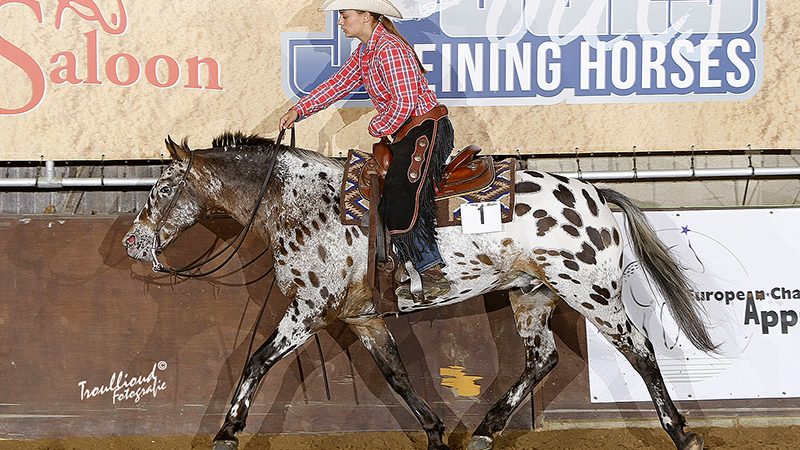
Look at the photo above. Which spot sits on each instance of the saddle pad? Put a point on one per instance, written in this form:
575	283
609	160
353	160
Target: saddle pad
354	207
448	210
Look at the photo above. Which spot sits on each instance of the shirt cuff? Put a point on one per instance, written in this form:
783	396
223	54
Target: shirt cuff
301	113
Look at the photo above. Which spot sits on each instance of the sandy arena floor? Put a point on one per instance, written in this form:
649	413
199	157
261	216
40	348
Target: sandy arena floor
619	439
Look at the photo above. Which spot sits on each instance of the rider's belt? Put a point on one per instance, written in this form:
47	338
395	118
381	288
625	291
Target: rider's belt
436	113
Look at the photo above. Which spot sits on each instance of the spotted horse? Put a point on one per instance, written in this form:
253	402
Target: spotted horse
562	245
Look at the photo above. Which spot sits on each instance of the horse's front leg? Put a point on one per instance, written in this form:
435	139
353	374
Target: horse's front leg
291	333
381	344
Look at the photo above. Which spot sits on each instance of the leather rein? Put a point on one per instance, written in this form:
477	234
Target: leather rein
189	270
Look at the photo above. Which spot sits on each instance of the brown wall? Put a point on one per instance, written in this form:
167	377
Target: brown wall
73	307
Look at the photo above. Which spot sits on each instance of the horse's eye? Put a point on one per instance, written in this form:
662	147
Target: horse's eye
165	190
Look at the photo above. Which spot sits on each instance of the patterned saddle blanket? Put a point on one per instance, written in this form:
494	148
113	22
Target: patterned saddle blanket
355	205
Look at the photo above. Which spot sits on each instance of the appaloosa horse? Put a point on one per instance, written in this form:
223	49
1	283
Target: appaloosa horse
563	244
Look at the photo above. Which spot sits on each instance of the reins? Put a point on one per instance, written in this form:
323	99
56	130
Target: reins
236	243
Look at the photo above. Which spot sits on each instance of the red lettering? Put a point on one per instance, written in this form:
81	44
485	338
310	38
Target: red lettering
116	26
213	73
68	73
173	71
91	58
112	66
25	62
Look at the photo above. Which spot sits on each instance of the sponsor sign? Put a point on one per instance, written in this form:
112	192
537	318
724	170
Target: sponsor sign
744	264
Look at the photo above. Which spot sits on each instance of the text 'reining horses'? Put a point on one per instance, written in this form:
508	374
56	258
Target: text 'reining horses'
563	244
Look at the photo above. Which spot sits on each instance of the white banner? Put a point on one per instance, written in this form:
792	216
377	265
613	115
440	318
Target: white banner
744	265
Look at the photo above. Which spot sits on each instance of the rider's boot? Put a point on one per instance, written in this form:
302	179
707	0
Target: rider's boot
434	284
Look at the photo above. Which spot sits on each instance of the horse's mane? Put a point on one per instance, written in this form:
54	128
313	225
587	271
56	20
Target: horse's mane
231	140
238	139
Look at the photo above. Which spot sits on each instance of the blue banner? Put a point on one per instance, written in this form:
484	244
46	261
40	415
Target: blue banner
515	52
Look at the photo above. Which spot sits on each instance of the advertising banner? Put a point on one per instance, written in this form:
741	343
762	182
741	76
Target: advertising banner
743	265
91	79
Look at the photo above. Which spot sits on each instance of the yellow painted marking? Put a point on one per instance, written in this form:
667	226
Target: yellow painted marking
461	383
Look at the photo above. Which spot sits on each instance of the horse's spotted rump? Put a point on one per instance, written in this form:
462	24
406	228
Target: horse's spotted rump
573	217
298	236
595	237
590	202
564	195
572	265
520	209
294	246
299	282
533	173
587	254
539	213
544	225
568	277
527	187
572	231
312	277
605	235
323	254
587	305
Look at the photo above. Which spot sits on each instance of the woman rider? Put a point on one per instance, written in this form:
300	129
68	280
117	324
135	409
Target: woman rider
408	111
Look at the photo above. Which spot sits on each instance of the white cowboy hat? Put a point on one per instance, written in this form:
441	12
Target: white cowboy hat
383	7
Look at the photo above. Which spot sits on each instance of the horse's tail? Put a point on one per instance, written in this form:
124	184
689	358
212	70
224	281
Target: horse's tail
662	267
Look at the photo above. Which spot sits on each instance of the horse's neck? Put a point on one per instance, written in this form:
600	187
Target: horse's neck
302	187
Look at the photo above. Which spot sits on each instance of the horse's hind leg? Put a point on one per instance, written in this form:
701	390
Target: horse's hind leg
291	334
532	314
613	323
381	344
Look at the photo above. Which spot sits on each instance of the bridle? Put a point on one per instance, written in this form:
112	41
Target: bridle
236	243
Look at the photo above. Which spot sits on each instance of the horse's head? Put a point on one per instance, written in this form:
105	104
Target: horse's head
176	202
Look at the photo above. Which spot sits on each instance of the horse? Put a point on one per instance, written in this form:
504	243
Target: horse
563	244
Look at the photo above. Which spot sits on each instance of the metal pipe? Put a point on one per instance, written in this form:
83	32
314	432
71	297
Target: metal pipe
687	174
50	181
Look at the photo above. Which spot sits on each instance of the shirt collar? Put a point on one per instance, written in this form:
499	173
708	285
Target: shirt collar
376	34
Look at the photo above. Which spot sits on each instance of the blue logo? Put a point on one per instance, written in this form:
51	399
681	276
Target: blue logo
518	52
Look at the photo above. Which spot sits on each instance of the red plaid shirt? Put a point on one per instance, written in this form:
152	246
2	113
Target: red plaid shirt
387	68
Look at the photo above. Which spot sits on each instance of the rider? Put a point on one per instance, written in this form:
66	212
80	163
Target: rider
408	111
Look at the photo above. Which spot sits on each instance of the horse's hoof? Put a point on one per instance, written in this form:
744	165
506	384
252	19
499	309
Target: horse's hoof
226	445
480	443
693	442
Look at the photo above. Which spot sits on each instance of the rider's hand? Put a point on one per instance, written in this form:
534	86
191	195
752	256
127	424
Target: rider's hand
288	119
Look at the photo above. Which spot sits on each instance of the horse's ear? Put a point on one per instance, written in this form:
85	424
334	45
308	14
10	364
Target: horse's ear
176	152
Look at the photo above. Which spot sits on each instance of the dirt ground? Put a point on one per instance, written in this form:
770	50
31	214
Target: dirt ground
619	439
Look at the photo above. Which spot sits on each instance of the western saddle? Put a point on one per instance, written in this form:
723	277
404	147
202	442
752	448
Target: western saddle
464	174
